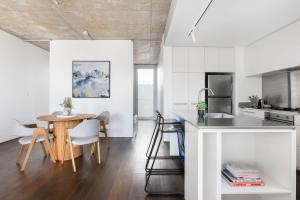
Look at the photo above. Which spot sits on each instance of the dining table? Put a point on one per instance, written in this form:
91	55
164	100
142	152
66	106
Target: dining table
61	124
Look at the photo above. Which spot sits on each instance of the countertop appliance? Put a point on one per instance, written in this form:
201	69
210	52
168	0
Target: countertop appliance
280	117
221	85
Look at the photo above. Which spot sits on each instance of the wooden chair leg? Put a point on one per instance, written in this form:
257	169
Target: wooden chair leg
20	154
102	124
72	155
107	138
98	148
92	150
43	133
64	152
43	148
27	156
51	145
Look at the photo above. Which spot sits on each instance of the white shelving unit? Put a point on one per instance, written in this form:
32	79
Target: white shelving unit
273	151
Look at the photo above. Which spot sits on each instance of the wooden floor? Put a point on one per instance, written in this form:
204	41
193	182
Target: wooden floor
120	176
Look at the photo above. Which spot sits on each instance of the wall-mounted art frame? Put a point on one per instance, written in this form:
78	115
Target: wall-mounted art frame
91	79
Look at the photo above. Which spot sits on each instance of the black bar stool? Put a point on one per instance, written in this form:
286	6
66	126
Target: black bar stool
162	127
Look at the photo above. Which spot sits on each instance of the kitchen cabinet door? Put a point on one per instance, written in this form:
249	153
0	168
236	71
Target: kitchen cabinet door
196	81
180	59
180	88
196	59
227	60
212	59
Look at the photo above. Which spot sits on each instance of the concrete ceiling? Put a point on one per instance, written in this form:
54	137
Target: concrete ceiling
142	21
230	22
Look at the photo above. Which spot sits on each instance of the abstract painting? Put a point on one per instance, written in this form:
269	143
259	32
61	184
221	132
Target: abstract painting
91	79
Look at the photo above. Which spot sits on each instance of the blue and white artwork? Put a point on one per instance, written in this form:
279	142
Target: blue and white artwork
91	79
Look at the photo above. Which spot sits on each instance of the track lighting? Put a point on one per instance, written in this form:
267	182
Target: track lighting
192	31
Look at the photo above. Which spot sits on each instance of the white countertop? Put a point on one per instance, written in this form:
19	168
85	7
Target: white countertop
237	122
295	113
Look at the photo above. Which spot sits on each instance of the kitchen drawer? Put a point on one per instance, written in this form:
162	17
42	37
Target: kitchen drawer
253	113
298	135
298	158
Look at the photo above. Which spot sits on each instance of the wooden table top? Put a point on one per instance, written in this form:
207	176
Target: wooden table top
54	118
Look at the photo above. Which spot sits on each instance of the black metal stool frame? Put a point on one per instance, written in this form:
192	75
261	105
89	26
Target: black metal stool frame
150	170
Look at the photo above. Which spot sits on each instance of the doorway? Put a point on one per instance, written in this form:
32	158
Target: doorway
145	90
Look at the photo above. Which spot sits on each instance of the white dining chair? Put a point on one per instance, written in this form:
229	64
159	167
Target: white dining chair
87	132
104	119
29	135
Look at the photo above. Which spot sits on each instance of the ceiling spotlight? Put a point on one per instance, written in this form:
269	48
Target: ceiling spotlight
57	2
192	34
86	33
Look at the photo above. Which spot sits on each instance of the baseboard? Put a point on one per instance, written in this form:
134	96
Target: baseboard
2	140
116	136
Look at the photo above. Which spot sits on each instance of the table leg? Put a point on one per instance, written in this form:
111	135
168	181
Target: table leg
60	132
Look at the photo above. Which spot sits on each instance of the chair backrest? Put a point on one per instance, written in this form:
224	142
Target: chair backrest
105	116
58	113
87	128
20	130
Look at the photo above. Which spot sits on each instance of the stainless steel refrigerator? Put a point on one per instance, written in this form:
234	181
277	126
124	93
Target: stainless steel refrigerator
221	85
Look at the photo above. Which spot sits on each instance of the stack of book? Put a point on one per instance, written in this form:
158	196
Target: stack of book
241	175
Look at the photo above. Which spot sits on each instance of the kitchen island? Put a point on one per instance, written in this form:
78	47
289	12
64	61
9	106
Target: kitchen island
209	143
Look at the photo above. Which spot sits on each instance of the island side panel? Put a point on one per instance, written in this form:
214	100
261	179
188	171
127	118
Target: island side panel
212	164
193	185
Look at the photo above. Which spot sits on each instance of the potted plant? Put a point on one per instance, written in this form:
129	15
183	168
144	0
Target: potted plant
254	99
201	107
68	105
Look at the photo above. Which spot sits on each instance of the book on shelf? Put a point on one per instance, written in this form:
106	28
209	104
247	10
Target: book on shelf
232	178
243	184
242	170
241	175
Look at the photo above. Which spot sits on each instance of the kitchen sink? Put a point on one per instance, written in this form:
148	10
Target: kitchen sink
217	115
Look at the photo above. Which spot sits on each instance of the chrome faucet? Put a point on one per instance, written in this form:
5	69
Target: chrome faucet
203	89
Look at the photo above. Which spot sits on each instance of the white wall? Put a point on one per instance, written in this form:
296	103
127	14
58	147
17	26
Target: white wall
166	65
277	51
24	83
120	104
244	86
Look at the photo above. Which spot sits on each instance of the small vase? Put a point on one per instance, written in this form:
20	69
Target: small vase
67	111
200	114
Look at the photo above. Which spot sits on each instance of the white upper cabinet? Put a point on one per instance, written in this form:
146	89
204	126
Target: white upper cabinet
219	60
180	88
180	59
227	60
196	59
212	60
196	81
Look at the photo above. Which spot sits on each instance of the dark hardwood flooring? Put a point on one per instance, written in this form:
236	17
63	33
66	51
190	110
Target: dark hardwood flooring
120	176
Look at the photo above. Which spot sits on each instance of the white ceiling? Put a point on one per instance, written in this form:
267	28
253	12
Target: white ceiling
229	22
